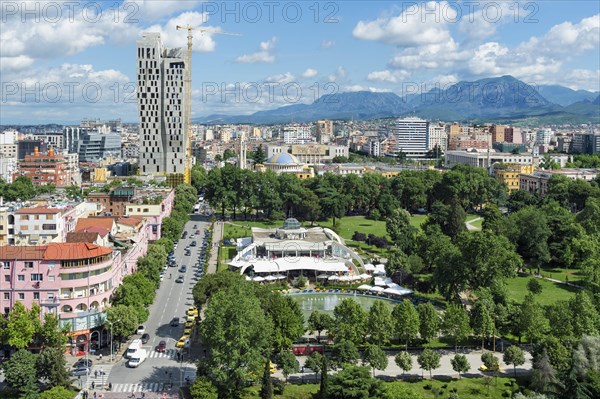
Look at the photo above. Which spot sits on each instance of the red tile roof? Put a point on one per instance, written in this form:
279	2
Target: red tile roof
130	220
84	224
10	252
82	236
53	251
38	210
74	250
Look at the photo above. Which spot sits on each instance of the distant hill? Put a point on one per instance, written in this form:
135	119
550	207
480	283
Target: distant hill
502	99
564	96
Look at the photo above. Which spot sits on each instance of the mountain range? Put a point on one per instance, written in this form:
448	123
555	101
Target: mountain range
502	99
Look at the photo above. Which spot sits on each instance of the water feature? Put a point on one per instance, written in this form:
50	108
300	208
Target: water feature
327	301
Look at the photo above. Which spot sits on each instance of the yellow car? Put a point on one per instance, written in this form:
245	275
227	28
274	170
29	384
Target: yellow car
187	331
272	366
484	368
192	311
191	318
189	324
182	341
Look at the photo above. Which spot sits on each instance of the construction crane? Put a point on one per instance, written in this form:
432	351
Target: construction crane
188	91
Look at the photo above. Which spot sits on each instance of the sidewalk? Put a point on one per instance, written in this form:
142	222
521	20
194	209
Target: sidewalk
217	237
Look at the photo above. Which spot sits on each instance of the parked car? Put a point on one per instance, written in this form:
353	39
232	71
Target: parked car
162	346
193	243
145	338
179	279
80	371
182	341
141	329
175	322
183	269
83	363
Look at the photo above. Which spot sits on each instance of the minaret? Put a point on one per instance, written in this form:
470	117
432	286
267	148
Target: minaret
242	151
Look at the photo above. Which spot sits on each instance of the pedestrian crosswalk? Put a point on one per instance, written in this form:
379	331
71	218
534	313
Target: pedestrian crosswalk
98	376
143	387
168	354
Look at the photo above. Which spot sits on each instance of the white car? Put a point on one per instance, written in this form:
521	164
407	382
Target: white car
140	330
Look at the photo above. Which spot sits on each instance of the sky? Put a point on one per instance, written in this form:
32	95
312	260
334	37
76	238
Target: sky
61	61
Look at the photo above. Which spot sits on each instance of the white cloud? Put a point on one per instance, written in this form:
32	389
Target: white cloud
17	63
430	56
484	21
339	74
310	73
264	54
417	25
171	37
576	79
152	9
387	76
281	78
327	43
365	88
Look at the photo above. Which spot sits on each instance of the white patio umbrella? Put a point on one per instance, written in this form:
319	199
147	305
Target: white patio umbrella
345	279
279	276
364	287
376	289
334	278
323	276
365	276
270	278
258	279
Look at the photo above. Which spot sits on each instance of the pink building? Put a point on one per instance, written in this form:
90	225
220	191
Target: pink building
154	205
72	280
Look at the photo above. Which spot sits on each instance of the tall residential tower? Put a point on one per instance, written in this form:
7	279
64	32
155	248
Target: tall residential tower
162	101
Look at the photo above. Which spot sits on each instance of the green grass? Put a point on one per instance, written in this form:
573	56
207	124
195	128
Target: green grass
563	274
551	292
226	253
466	388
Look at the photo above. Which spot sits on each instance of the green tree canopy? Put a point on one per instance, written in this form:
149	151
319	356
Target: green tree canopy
429	360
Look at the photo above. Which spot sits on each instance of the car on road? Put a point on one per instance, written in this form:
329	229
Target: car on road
191	318
189	323
175	322
193	236
193	243
192	311
187	331
141	329
493	368
187	253
145	338
195	226
162	346
197	231
162	276
182	341
183	269
179	279
83	363
80	371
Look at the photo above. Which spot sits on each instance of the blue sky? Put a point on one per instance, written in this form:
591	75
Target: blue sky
61	61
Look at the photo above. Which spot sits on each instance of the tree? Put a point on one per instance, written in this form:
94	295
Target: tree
401	391
22	324
266	390
589	217
315	363
20	370
375	357
50	333
584	316
203	388
455	323
343	353
354	383
350	321
533	322
429	321
122	320
238	334
400	230
288	363
460	364
534	286
515	356
429	360
490	361
319	321
57	393
481	321
52	366
380	323
259	155
450	218
404	361
287	318
406	321
543	377
528	229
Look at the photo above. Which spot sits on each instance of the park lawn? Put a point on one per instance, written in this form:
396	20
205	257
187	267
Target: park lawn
574	275
226	253
346	226
551	292
467	388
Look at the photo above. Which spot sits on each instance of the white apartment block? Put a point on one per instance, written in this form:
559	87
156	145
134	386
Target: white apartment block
161	94
437	136
485	159
296	135
411	136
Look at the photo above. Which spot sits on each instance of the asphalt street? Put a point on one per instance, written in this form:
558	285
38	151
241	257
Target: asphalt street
160	370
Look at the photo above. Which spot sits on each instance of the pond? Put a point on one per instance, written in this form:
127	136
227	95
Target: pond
326	302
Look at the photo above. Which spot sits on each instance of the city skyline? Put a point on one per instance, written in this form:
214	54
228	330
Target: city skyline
84	61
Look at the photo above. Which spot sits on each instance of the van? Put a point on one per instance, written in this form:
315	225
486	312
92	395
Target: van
137	358
135	345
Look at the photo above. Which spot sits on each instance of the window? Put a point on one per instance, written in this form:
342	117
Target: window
48	217
29	265
50	278
7	279
21	277
36	295
37	277
6	296
6	265
21	296
50	296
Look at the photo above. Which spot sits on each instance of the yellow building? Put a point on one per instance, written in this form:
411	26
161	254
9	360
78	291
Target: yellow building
99	175
511	174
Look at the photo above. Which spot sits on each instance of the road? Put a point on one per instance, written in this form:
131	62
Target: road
160	370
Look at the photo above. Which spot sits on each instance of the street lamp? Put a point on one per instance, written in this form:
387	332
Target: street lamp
111	337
